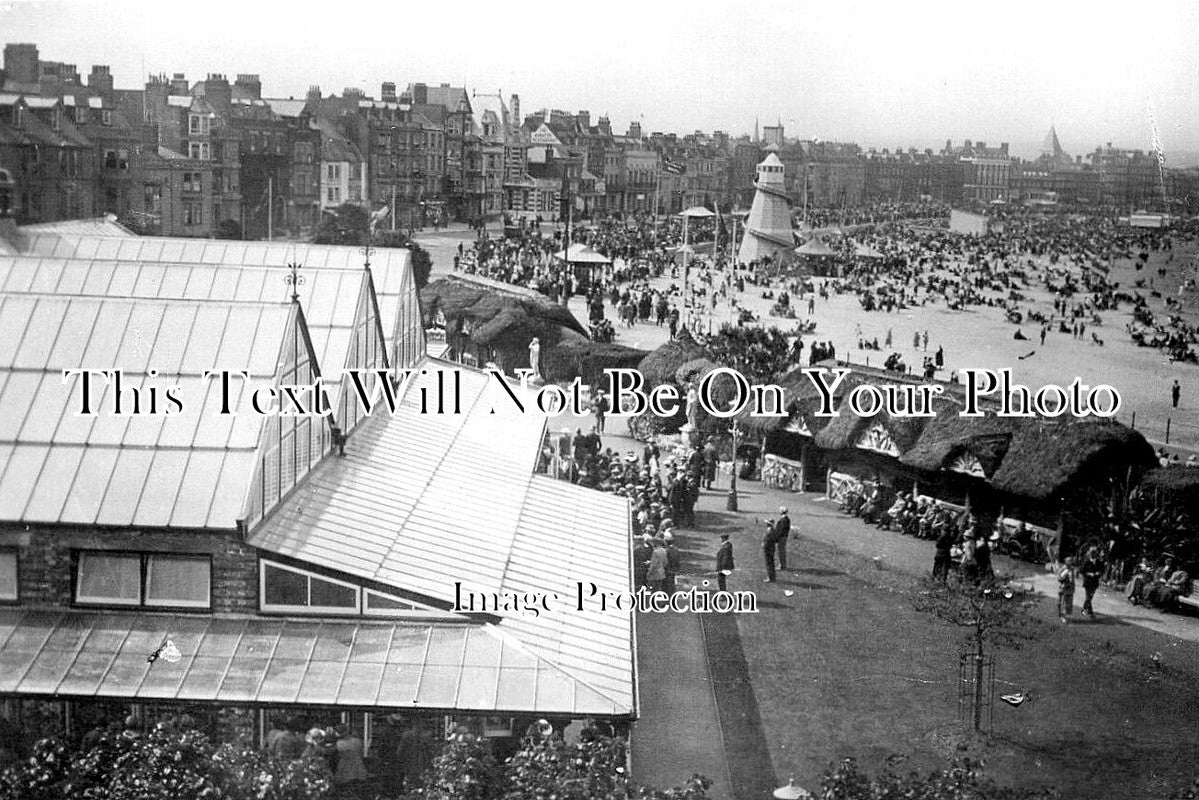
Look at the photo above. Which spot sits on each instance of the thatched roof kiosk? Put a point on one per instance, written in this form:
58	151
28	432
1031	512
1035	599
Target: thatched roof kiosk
583	358
661	365
1048	458
952	441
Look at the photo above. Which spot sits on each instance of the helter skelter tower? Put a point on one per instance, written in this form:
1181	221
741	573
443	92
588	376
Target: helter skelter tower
768	227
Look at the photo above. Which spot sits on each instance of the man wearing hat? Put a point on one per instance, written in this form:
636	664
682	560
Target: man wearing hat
724	561
673	561
641	556
782	529
769	543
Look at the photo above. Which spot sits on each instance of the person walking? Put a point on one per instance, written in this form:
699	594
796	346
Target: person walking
1092	573
724	561
1175	393
782	529
1065	590
769	543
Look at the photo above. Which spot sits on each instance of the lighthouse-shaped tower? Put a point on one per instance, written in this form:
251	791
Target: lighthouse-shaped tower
768	228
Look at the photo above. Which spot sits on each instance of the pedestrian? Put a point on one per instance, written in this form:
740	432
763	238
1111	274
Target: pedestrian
350	775
1175	393
782	529
600	408
769	543
673	561
724	561
655	575
1092	573
943	554
1065	590
641	558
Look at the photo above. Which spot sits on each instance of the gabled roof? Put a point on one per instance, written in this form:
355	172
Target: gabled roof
190	469
286	107
390	266
329	297
97	226
391	510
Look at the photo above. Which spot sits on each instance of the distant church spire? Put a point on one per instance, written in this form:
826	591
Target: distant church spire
756	137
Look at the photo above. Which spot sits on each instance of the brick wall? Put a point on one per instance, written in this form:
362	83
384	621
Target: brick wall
44	560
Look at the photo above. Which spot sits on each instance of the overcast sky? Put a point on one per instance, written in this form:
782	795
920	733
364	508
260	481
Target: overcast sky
882	74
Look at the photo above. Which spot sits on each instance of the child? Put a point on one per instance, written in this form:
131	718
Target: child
1065	590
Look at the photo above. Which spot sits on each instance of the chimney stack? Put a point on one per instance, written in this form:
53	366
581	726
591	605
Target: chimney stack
420	94
218	92
249	86
100	79
178	84
21	62
514	110
388	92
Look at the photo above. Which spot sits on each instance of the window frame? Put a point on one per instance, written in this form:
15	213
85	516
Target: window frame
307	610
143	556
16	574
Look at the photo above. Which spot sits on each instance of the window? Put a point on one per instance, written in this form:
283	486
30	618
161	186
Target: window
183	581
193	213
376	604
147	579
198	123
81	114
199	150
56	119
106	116
294	590
110	159
8	574
18	117
193	182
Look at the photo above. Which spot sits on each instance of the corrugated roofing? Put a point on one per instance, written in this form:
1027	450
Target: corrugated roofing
422	500
395	287
433	666
188	469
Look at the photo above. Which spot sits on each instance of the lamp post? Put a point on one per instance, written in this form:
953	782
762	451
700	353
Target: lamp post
731	501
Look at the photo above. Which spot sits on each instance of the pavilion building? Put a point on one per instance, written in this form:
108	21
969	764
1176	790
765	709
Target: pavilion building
301	565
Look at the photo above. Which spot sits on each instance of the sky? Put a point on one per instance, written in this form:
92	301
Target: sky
892	74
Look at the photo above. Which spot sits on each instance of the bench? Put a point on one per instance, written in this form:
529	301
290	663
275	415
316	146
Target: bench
1191	599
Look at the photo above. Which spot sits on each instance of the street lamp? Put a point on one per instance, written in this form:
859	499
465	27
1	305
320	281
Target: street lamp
731	501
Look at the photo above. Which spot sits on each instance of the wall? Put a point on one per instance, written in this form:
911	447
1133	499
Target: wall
44	560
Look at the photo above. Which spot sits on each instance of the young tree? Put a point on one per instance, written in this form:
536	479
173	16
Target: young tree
346	224
993	613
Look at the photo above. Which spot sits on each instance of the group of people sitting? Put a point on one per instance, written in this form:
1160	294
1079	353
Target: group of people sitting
1159	587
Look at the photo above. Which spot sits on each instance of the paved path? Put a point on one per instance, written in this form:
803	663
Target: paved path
679	732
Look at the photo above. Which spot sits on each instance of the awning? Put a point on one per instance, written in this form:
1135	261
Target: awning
582	254
437	666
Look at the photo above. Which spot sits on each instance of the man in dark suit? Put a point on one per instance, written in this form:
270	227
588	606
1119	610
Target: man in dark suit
641	556
769	544
724	561
782	529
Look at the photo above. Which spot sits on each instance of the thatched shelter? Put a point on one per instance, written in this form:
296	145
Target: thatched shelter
660	366
950	437
488	321
585	359
1047	457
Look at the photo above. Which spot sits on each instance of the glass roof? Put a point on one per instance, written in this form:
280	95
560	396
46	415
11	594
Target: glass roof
378	512
418	664
59	466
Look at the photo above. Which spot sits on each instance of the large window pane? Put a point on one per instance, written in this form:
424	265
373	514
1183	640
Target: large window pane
326	594
283	587
8	574
109	578
178	581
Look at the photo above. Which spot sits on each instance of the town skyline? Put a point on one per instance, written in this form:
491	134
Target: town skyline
837	83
